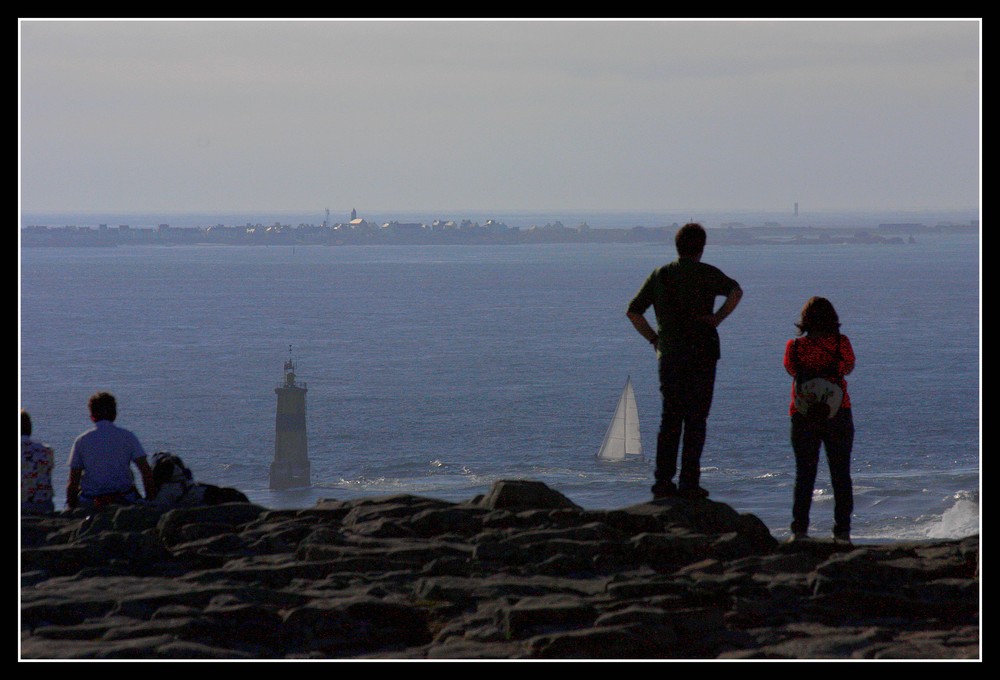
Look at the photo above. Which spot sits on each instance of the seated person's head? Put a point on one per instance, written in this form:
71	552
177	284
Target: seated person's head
103	407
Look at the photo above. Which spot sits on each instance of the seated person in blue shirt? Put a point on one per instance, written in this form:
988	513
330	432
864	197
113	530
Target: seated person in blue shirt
100	461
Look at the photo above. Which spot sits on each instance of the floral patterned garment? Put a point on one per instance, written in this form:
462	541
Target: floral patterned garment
36	471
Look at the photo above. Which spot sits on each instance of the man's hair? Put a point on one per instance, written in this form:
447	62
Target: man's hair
103	406
690	240
818	316
25	423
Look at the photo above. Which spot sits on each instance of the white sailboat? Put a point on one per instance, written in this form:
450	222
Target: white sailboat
622	441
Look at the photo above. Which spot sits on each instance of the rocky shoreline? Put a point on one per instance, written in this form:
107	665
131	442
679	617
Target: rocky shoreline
518	573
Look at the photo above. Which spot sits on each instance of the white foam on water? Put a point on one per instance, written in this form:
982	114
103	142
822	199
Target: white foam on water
960	520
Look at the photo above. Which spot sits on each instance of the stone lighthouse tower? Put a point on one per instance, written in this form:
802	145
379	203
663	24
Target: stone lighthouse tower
291	460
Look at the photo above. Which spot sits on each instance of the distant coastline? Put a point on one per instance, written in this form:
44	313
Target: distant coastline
360	231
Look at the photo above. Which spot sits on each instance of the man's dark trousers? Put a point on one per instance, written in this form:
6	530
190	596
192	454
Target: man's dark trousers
687	384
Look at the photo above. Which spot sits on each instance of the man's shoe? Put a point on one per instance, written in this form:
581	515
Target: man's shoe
693	493
664	490
842	539
797	536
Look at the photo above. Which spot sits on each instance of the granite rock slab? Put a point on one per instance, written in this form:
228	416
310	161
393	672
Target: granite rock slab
519	573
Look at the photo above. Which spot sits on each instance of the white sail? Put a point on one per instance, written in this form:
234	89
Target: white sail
622	440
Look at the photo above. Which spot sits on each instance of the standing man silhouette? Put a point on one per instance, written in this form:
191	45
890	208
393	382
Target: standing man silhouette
682	294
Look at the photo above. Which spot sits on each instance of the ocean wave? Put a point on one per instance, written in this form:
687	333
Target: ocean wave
960	520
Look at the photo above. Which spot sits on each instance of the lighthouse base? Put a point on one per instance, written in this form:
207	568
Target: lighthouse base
290	475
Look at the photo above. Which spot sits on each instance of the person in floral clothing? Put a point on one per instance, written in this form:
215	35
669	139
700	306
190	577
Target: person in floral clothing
37	461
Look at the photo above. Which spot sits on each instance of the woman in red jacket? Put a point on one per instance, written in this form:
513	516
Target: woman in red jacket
822	347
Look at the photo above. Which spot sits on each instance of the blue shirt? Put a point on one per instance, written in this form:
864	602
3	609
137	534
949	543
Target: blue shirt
105	454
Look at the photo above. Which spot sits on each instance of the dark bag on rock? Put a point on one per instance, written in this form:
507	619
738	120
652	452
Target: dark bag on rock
168	468
176	486
214	495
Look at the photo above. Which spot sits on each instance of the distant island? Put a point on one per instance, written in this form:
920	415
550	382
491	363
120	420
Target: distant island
359	231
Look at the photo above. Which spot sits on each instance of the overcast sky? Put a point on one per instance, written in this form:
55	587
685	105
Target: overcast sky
205	116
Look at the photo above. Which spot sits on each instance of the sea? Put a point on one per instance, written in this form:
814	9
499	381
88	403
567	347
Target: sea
438	370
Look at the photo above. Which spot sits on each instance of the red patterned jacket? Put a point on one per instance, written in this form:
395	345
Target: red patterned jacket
815	352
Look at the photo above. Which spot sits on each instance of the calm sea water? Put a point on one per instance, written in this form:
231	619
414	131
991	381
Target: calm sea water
437	370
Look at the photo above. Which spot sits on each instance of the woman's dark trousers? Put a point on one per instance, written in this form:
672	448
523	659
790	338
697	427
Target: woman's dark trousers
837	439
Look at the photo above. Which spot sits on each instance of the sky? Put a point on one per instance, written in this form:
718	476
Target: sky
219	115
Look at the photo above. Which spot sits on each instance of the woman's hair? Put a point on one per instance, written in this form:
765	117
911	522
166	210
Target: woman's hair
818	316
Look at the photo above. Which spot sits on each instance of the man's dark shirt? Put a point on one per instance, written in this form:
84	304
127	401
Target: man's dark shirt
681	293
